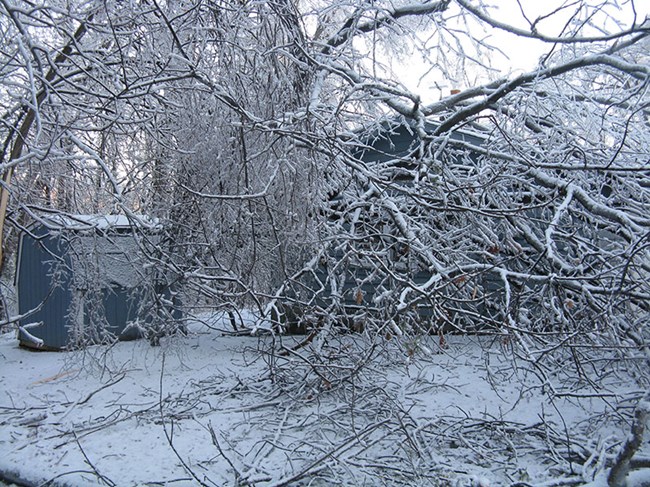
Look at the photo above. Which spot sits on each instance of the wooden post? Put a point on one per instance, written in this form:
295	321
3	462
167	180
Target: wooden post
4	202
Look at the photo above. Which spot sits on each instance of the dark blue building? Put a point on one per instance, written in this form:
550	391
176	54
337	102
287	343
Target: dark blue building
84	279
371	257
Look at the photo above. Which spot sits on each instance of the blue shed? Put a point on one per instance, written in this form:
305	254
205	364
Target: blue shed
397	143
340	272
84	279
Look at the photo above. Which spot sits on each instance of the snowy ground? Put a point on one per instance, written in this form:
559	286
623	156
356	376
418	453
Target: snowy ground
205	409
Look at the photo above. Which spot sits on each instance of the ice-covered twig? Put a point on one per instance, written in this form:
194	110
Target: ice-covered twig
215	442
618	473
103	478
169	434
345	445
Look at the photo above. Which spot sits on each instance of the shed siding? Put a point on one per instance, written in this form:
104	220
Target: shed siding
88	286
37	285
121	307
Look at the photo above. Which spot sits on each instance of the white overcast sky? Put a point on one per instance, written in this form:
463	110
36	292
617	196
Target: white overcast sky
520	54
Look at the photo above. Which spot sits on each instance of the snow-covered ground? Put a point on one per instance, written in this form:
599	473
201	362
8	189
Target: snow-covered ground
207	409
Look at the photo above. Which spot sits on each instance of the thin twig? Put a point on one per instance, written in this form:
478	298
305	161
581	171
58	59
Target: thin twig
339	449
101	477
215	442
167	433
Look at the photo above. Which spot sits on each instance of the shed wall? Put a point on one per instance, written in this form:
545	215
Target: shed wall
39	284
85	287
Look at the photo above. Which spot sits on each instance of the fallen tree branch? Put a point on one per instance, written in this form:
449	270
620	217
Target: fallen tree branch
618	473
169	435
332	453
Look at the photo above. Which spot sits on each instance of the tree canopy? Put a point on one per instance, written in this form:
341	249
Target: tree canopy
263	134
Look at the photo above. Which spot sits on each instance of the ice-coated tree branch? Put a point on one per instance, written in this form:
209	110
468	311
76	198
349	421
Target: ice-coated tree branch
621	468
294	177
533	33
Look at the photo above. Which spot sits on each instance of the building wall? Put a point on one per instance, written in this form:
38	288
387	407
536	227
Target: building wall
88	287
43	283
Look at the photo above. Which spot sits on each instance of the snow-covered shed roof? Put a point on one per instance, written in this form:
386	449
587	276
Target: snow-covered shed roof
61	221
